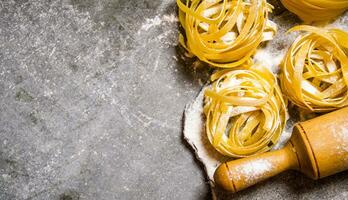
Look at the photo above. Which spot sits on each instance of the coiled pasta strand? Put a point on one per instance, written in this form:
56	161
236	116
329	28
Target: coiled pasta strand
316	10
225	33
314	71
245	111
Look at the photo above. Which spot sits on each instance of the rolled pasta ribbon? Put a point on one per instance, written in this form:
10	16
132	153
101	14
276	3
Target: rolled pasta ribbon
316	10
314	71
225	33
245	111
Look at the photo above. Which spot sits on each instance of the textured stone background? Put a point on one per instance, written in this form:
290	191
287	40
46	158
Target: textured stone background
92	94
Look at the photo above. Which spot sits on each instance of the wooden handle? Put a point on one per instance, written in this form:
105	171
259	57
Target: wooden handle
239	174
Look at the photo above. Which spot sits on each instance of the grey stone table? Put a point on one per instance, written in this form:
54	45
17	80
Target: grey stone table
92	95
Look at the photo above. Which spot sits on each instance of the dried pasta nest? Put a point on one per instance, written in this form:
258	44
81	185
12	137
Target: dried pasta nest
225	33
245	111
314	71
316	10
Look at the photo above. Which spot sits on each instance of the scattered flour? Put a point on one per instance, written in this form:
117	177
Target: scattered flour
342	137
168	37
157	21
254	170
194	135
272	61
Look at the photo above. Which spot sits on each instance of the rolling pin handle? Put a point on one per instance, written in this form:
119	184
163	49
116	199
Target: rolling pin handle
236	175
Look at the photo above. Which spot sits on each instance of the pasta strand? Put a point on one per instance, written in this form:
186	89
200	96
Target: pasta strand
316	10
314	71
225	33
245	111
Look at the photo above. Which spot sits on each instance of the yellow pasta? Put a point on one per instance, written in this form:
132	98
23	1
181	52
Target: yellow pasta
314	71
225	33
245	111
316	10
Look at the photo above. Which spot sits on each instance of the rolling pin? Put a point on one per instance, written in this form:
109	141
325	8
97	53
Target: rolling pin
317	148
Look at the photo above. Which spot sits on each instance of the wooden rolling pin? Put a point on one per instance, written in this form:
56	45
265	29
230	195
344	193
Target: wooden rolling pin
317	148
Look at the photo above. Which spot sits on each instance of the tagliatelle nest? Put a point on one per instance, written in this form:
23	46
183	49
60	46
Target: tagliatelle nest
315	69
316	10
245	111
225	33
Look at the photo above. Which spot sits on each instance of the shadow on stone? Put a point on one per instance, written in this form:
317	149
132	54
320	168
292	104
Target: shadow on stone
70	195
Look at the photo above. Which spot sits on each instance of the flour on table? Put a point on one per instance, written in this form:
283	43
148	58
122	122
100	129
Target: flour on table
194	135
157	21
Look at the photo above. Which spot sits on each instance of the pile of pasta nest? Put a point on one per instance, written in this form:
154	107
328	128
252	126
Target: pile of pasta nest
245	105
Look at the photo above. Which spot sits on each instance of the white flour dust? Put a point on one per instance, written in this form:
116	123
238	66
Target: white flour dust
254	170
342	138
194	135
157	21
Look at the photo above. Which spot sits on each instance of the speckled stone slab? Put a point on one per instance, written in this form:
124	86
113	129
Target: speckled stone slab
92	99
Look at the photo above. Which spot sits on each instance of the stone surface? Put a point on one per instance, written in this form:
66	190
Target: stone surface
92	95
